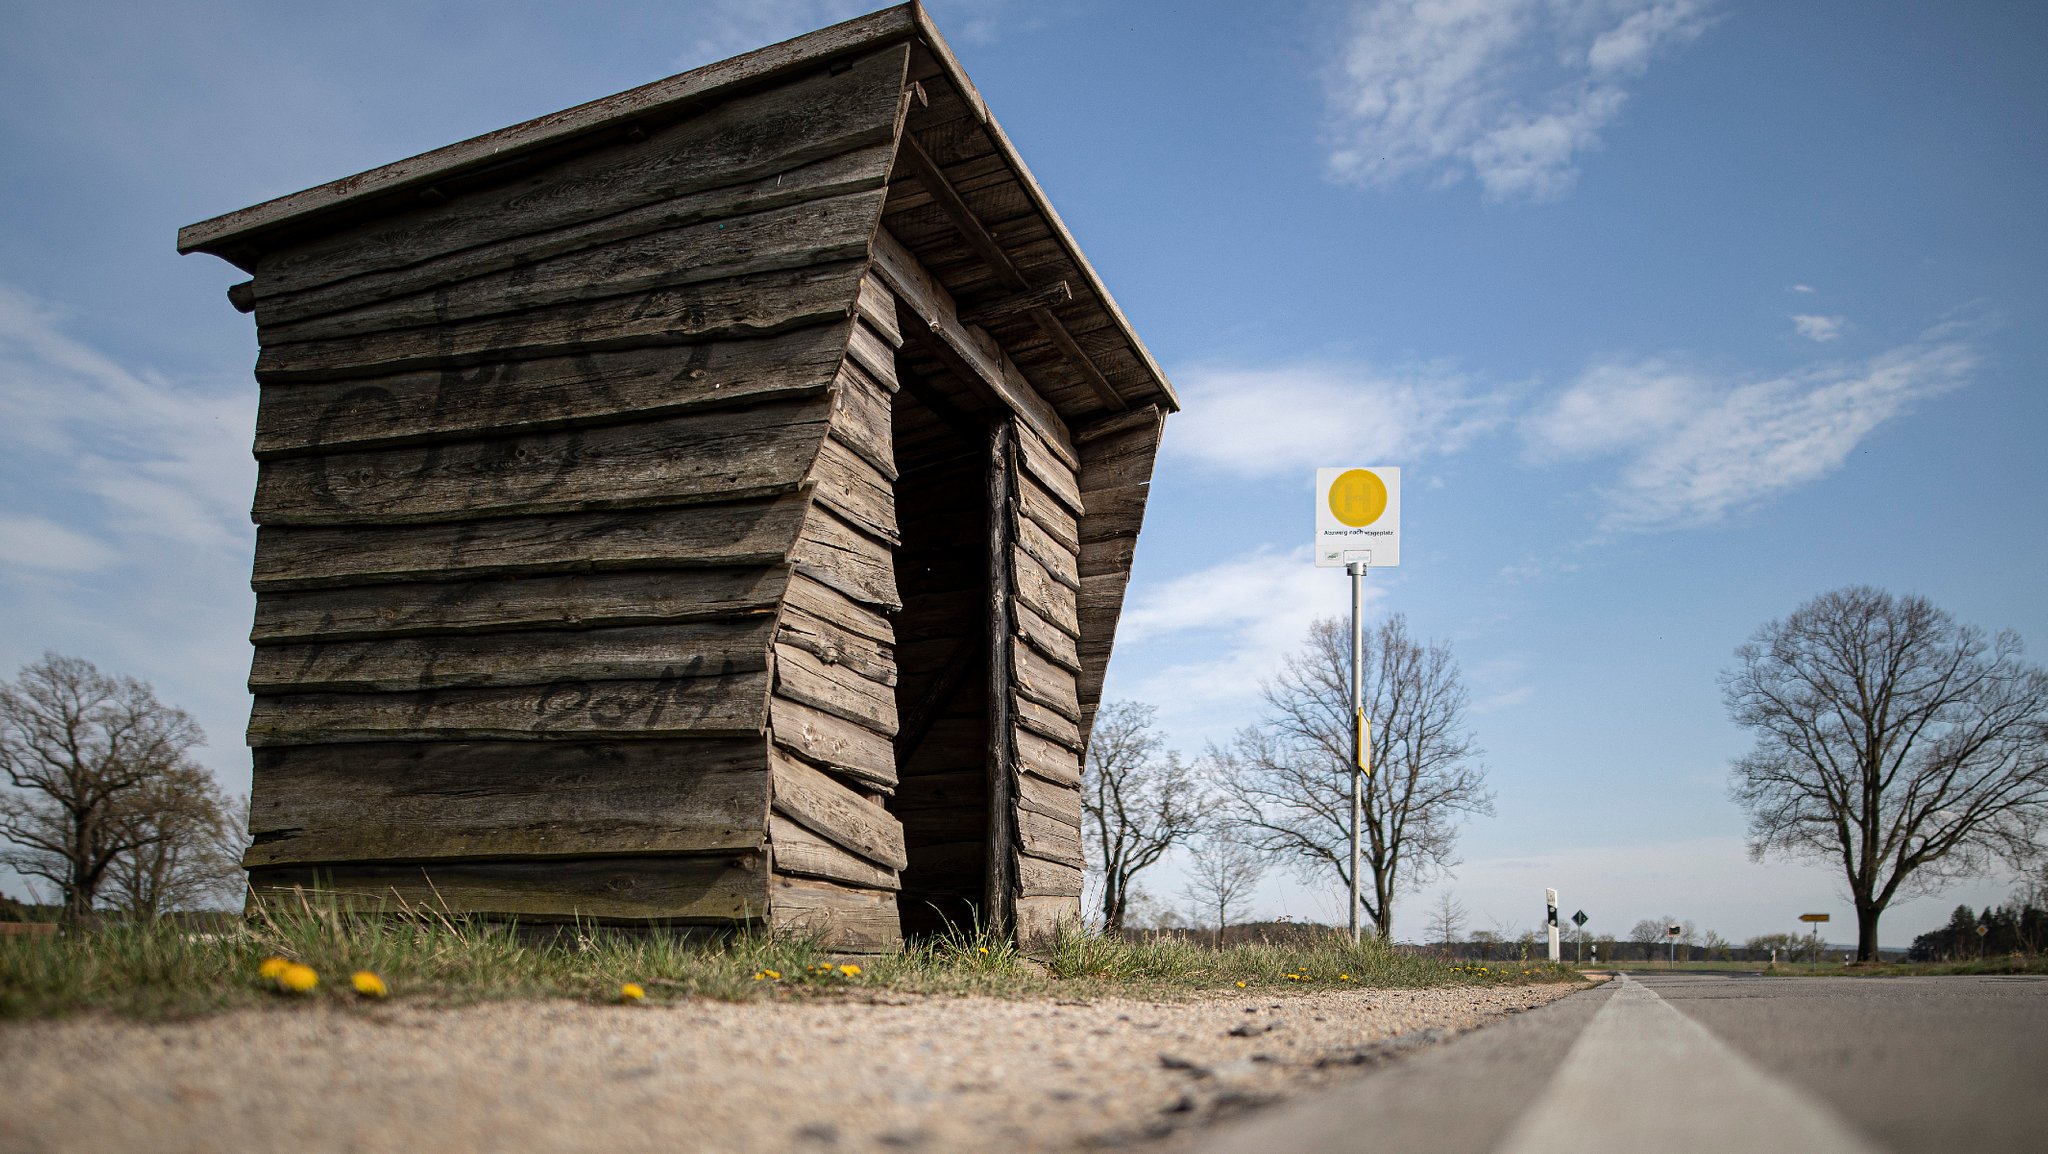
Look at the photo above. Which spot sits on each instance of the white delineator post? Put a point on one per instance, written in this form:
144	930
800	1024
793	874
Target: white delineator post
1550	919
1358	743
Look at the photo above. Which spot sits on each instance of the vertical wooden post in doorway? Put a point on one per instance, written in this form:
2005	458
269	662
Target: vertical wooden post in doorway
999	902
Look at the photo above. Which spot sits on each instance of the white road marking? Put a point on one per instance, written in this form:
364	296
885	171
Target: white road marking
1644	1076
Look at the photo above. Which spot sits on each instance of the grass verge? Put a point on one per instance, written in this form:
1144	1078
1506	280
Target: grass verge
158	970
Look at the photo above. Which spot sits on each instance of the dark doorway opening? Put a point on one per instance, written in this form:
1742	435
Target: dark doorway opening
942	653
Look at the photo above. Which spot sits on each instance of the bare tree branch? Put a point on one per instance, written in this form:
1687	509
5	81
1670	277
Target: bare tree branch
81	750
1891	740
1287	778
1140	800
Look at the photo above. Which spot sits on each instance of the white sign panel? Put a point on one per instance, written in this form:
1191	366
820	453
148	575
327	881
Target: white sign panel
1358	517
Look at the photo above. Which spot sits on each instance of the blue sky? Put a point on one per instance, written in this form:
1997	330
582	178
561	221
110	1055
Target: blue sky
1673	312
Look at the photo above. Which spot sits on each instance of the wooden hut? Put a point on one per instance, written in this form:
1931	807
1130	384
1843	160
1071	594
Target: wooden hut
706	506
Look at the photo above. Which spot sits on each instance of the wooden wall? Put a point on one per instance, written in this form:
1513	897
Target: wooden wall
538	541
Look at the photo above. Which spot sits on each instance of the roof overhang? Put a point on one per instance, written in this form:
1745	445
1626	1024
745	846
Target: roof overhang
241	237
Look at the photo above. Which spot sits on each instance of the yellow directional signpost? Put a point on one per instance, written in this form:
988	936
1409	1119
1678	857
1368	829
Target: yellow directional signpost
1358	525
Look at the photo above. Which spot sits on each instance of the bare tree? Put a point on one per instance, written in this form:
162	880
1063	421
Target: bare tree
1140	800
81	749
1222	873
1446	919
1648	932
1288	777
1891	740
188	854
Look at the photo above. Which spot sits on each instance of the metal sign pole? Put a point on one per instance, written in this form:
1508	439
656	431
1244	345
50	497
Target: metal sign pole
1358	741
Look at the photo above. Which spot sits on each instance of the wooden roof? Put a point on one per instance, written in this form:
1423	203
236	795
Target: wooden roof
960	197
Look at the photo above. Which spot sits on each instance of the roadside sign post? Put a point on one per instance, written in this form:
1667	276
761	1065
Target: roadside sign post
1579	920
1550	923
1815	920
1358	525
1671	933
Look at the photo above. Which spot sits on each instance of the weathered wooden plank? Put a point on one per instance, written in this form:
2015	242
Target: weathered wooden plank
403	664
871	91
680	705
861	420
1046	597
836	918
416	801
835	689
916	287
1045	464
1048	514
835	553
833	645
1049	838
1116	512
1119	450
564	601
793	236
877	306
1048	759
719	455
1043	682
855	490
1056	646
1108	555
874	355
828	808
1061	803
752	533
1061	562
830	605
796	850
1039	878
385	297
723	887
845	748
1041	920
759	304
1000	873
1046	722
508	396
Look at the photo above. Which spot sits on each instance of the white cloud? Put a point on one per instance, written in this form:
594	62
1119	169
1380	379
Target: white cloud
1804	288
1269	422
1695	447
40	543
1818	329
1237	619
152	458
1510	92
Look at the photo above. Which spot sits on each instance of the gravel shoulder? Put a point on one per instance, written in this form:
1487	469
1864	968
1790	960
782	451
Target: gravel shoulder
887	1074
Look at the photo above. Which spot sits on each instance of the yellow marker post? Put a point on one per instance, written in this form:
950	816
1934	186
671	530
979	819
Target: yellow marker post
1358	525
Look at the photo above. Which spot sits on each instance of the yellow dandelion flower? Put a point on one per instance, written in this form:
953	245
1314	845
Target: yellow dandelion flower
297	979
1240	985
369	985
1343	977
773	975
631	992
984	949
271	968
850	971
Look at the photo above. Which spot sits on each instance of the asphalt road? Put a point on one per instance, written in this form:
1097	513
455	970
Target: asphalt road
1707	1062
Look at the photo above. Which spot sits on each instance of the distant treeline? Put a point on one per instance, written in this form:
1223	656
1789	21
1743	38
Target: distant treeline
2018	928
